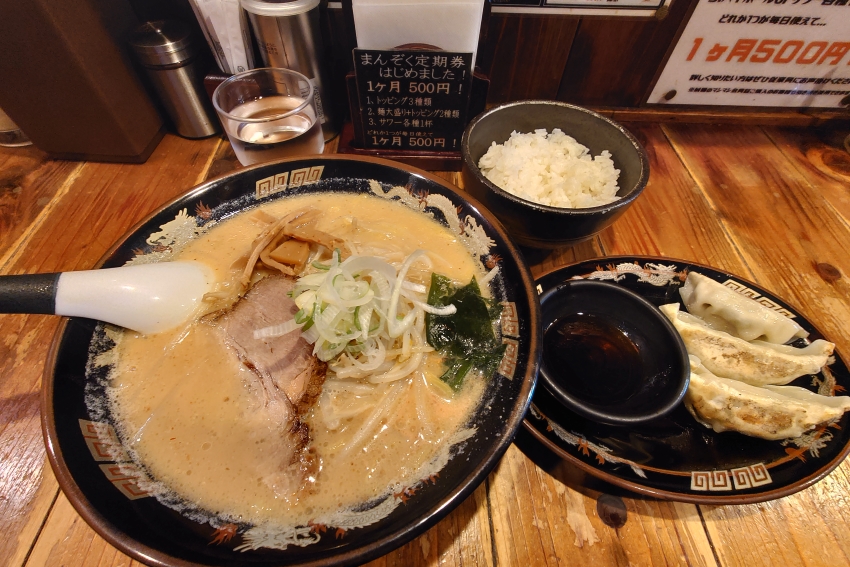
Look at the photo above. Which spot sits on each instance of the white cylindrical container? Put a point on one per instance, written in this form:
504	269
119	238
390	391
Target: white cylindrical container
10	134
289	36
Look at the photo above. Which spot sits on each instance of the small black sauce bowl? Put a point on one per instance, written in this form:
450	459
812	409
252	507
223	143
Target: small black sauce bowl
609	354
536	226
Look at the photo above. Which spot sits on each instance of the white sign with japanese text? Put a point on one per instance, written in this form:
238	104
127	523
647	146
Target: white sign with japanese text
771	53
604	4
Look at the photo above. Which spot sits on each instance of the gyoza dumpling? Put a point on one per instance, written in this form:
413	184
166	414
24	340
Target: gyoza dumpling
727	310
755	363
772	412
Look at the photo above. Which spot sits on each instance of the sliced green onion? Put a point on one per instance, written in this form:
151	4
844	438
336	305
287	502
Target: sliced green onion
277	330
365	307
301	317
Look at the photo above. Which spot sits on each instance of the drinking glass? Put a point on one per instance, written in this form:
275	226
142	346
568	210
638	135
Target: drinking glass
268	114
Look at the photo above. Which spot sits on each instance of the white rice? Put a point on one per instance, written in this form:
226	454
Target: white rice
551	169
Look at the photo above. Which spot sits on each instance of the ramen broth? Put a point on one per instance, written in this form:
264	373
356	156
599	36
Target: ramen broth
194	415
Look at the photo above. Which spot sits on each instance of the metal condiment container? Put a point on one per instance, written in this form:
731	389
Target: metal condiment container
167	51
289	36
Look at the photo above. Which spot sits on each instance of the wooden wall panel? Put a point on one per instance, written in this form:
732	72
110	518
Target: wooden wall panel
613	61
524	56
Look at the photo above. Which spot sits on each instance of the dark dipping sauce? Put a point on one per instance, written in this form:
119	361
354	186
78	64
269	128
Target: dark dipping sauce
592	359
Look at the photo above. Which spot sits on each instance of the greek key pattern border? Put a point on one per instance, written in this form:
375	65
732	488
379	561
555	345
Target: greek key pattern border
742	478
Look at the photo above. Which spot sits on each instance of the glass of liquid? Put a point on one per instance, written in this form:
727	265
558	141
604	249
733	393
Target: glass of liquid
269	114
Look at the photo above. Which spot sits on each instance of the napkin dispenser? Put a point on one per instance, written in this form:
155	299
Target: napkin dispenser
451	25
69	83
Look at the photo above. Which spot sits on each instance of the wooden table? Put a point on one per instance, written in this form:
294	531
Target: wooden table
769	204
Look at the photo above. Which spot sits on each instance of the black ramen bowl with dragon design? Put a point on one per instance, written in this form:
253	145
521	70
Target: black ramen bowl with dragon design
102	482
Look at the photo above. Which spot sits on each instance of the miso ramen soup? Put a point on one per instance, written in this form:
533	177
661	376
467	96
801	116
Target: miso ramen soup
200	421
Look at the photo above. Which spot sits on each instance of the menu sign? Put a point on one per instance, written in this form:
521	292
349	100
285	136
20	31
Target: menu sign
775	53
597	4
413	99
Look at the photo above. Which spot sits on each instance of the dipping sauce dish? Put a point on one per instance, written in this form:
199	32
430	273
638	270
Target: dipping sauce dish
610	355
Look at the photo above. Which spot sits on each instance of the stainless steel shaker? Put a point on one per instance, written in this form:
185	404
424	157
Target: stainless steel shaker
289	36
167	51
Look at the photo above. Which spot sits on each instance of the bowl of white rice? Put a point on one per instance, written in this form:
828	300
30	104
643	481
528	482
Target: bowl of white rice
554	174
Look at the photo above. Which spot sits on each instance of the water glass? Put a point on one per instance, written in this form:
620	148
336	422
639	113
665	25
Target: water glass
268	114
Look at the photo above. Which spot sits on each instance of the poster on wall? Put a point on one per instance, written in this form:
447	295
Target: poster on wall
768	53
597	4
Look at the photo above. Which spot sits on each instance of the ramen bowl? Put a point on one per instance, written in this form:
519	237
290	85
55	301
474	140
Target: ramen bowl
610	355
114	493
534	225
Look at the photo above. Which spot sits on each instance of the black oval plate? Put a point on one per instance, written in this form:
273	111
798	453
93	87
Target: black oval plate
677	458
102	486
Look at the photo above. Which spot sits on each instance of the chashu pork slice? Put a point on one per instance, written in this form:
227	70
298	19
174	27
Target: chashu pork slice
285	364
291	377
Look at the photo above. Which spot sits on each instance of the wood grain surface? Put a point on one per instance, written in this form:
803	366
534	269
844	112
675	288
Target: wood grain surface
524	57
769	204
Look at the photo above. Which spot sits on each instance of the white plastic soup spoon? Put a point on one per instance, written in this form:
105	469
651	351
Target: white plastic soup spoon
148	298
